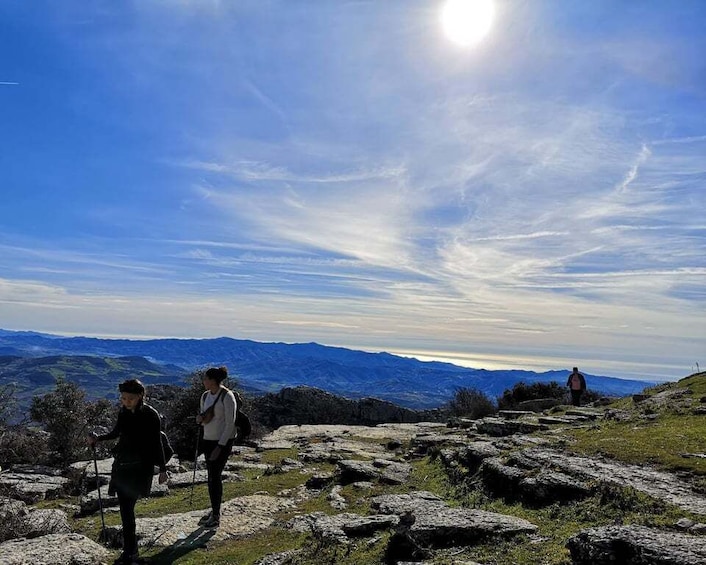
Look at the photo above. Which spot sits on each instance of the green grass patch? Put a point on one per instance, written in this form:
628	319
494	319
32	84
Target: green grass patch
275	456
696	383
660	442
240	552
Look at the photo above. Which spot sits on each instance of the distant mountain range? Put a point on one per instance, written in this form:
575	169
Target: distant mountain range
99	364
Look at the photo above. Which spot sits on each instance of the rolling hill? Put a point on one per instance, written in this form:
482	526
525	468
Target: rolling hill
264	367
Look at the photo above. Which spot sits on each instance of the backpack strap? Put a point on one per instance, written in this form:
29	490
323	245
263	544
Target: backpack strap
219	397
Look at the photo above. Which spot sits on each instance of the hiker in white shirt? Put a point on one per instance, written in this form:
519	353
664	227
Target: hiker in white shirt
217	416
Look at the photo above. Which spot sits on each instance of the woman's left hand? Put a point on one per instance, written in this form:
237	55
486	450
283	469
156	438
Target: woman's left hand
215	454
163	477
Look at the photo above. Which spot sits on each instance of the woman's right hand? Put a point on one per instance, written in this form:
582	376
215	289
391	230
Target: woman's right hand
199	419
92	440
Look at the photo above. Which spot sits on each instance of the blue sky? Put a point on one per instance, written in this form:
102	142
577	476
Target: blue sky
342	172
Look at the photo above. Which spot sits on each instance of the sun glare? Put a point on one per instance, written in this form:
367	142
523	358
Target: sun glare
467	22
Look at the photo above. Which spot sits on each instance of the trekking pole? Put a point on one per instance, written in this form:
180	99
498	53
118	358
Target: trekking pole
100	499
196	456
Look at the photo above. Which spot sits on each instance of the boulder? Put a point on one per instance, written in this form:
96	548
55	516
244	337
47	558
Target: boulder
473	455
320	481
636	545
382	470
40	522
421	444
539	404
427	523
54	549
657	484
548	487
241	517
341	526
32	487
499	427
500	479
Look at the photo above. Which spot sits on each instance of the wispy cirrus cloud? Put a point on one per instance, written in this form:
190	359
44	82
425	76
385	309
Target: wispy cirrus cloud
346	175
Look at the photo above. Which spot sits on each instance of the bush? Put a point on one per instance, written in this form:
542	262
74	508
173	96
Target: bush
471	403
536	391
8	404
180	415
66	414
22	444
522	392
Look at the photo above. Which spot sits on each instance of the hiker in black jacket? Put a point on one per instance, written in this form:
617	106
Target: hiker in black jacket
138	450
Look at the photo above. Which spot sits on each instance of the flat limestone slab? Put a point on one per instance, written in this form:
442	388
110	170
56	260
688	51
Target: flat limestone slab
54	549
240	517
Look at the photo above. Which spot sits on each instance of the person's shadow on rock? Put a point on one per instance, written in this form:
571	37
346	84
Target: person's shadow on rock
196	540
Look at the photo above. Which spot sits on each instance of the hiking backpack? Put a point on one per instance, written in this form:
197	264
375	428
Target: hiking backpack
167	448
242	421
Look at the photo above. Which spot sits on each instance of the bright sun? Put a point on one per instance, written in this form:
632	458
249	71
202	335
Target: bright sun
467	22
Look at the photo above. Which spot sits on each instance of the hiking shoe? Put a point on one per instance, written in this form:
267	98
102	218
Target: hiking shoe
205	518
213	522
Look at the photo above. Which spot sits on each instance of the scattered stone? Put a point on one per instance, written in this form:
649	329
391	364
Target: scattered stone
617	415
40	522
636	545
340	526
422	501
684	523
555	420
500	479
638	398
515	414
585	412
283	558
499	427
389	472
547	487
320	481
421	444
335	499
426	522
54	549
180	480
539	404
33	484
657	484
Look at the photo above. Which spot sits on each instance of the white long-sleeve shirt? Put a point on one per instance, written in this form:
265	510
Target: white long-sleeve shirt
222	427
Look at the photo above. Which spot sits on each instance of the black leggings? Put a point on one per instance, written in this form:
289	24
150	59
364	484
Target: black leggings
215	472
127	516
576	397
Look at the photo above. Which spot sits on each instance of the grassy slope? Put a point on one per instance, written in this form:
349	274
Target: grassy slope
653	436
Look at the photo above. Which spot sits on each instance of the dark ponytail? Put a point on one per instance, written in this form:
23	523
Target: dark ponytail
218	374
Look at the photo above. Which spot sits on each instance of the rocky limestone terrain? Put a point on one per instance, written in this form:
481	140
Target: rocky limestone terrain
356	494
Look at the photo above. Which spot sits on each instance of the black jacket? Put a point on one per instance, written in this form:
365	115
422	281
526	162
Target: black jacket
138	436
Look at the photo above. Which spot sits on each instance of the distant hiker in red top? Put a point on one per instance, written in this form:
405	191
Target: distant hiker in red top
576	384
